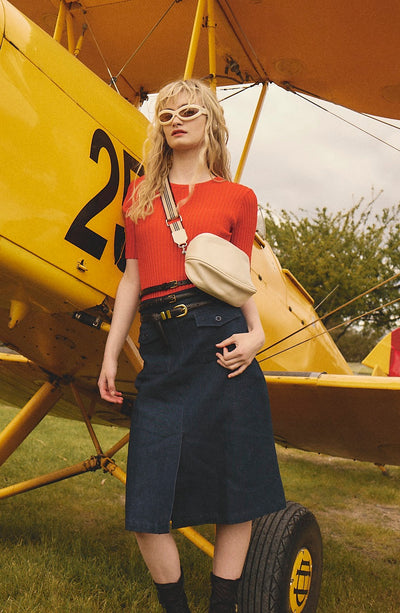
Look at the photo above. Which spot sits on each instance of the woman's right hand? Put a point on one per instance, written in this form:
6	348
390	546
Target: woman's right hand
126	303
106	383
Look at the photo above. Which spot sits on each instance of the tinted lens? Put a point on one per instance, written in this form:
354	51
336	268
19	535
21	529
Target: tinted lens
165	116
189	112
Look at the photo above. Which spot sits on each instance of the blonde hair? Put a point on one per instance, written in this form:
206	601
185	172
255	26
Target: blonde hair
158	155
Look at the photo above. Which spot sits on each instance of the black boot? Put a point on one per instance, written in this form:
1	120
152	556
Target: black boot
223	595
172	596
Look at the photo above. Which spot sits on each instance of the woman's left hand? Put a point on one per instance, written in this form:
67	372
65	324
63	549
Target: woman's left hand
237	359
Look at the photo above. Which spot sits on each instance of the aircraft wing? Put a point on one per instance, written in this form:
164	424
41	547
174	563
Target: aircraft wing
21	378
341	51
354	417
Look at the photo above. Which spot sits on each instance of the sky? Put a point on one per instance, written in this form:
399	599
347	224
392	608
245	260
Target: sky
303	158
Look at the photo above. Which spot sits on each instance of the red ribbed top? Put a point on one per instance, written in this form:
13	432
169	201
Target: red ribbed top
217	206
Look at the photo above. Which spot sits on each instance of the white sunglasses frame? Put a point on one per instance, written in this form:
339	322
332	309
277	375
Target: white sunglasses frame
201	111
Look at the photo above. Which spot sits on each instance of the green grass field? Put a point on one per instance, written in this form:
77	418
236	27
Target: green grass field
64	549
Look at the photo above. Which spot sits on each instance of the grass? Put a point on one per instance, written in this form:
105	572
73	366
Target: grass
63	548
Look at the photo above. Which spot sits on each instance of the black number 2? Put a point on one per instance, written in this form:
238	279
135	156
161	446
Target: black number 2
79	234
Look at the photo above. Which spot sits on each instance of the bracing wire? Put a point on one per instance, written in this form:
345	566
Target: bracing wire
345	120
326	298
240	90
130	58
386	123
345	323
339	308
245	37
112	80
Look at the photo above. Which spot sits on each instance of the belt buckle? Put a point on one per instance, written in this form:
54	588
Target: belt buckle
185	310
168	314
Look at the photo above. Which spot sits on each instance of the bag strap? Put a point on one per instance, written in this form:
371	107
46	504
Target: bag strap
173	218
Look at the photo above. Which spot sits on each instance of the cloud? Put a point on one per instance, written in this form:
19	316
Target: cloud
302	157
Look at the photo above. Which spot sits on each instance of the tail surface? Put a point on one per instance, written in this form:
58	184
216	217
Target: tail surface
384	359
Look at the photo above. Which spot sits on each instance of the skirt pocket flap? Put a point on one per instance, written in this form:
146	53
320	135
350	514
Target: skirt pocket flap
216	316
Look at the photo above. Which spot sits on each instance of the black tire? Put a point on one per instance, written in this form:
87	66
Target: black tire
283	543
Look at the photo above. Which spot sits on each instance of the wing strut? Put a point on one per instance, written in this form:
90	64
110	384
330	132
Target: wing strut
191	58
64	17
251	132
194	41
61	18
212	58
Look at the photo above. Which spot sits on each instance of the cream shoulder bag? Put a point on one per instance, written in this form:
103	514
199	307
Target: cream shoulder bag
212	263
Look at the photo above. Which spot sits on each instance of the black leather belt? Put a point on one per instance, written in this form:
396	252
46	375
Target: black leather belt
154	303
180	310
164	286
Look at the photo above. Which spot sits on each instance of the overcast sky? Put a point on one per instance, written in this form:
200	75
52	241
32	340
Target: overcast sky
302	157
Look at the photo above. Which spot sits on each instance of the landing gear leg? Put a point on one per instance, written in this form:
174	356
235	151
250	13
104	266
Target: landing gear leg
28	418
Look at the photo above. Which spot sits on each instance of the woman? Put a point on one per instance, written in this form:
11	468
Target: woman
201	447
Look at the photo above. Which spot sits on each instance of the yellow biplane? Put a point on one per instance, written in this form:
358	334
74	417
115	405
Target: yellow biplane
72	78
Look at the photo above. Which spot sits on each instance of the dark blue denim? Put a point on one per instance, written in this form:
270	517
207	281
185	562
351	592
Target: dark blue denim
201	448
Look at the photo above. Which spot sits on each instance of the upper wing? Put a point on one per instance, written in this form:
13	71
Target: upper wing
341	51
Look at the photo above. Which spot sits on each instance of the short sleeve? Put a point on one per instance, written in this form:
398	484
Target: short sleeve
246	222
130	239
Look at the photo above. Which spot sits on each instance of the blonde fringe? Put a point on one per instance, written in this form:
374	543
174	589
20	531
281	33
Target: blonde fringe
158	155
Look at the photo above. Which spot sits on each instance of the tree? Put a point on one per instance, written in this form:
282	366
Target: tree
338	256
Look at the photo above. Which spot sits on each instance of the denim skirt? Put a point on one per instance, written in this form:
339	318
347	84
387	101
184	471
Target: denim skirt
201	446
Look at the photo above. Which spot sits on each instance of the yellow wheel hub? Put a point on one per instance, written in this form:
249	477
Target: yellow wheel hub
300	581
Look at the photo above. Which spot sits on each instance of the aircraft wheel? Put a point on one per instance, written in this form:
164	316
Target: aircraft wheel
283	568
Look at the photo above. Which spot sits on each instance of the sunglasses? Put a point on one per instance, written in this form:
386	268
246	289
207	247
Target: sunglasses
185	113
